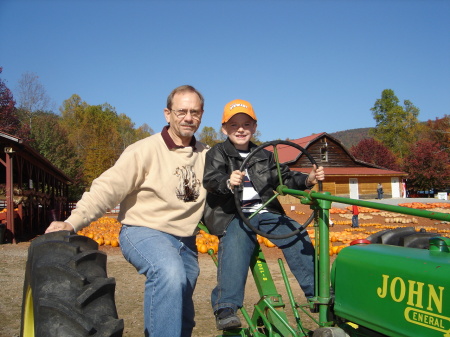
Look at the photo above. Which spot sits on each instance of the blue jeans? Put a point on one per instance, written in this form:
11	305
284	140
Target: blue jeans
235	250
170	265
355	222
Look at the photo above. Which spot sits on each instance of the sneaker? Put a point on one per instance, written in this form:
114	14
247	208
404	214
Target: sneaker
227	319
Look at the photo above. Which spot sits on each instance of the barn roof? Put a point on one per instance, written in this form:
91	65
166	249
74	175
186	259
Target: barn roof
30	154
288	154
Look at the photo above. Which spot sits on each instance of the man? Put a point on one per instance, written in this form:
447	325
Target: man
157	182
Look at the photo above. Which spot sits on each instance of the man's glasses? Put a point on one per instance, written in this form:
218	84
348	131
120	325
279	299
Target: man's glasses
181	113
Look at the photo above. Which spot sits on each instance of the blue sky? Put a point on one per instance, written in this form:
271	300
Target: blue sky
306	66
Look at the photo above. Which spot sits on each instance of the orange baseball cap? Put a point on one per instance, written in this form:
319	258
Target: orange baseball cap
235	107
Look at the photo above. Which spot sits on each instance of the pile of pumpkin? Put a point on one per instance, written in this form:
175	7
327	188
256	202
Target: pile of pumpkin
105	231
206	241
428	205
5	210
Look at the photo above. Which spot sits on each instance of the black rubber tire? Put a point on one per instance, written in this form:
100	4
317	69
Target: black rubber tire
66	289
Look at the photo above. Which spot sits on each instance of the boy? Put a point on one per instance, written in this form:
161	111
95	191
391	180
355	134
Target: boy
237	241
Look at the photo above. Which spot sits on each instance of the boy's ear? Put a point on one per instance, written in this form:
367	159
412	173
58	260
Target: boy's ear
224	131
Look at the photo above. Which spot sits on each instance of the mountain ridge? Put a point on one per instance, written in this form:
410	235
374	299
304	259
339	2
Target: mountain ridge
352	136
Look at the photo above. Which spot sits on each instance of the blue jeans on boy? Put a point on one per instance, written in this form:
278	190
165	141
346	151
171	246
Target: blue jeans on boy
170	264
235	250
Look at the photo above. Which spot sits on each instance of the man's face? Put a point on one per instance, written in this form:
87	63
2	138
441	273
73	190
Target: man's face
184	127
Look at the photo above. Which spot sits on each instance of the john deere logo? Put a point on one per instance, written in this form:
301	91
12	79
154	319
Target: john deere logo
424	301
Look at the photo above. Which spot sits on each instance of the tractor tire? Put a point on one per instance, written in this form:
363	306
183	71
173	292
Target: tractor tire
66	289
403	237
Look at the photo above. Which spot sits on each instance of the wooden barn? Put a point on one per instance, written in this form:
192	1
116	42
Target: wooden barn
32	191
346	176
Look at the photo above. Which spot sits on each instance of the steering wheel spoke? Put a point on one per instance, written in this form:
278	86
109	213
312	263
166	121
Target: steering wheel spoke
277	191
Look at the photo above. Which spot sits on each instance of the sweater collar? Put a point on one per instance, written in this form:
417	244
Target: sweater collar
171	144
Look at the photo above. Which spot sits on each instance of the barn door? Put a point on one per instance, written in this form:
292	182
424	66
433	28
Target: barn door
354	194
395	186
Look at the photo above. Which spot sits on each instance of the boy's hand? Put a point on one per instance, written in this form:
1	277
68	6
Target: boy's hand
317	174
236	178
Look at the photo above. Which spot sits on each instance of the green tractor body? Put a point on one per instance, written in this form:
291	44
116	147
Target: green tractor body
396	291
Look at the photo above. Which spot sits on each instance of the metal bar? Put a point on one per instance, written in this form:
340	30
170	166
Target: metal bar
275	153
370	204
9	197
324	266
290	294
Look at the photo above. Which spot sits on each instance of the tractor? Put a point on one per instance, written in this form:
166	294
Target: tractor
394	283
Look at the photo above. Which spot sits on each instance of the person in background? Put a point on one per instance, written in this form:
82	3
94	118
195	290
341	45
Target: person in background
355	212
157	182
380	191
258	181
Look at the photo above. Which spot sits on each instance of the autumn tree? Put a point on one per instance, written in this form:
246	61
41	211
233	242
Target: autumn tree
438	131
396	125
128	133
209	136
428	166
374	152
143	131
99	135
10	122
255	138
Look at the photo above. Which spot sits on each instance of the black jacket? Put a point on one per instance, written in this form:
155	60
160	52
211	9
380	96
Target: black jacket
221	160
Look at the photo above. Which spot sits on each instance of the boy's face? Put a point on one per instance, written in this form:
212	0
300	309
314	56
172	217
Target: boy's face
240	129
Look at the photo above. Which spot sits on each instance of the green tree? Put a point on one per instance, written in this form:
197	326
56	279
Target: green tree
102	143
396	126
50	139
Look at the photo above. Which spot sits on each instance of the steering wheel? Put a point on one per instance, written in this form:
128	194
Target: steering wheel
237	200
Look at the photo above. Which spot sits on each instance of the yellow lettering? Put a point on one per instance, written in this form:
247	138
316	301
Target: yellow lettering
418	292
402	288
381	292
433	297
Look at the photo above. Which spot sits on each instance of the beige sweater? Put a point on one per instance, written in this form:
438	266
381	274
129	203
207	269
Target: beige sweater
156	187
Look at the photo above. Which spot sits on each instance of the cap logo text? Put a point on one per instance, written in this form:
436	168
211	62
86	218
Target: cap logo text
238	104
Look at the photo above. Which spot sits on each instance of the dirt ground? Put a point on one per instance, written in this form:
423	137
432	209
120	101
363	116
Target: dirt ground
129	288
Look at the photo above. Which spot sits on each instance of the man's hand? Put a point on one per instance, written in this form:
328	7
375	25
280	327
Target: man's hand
59	226
317	174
